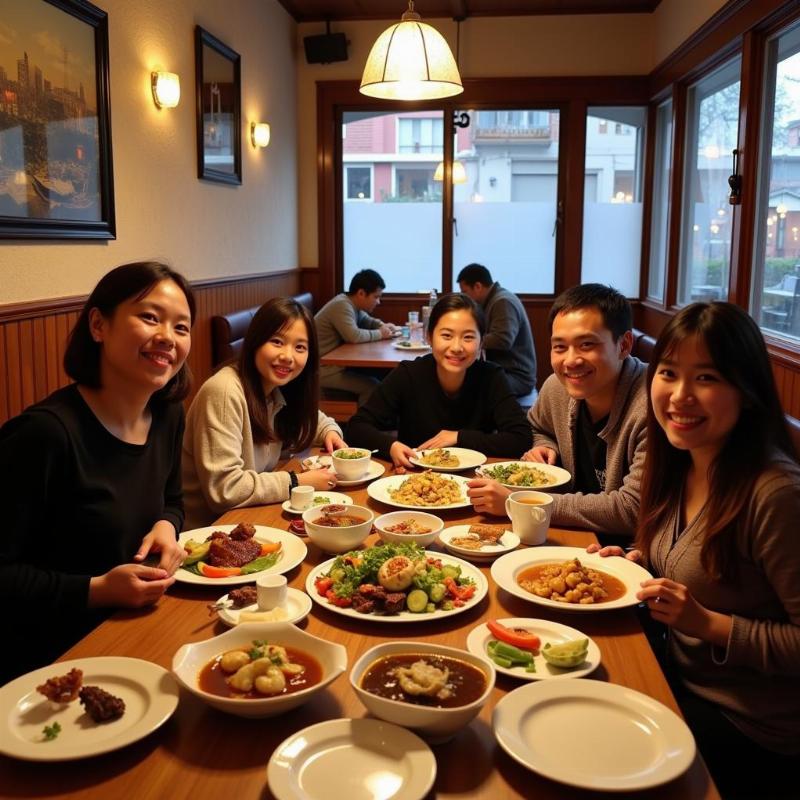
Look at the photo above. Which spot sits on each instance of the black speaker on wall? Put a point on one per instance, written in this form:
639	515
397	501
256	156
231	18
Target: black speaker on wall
325	48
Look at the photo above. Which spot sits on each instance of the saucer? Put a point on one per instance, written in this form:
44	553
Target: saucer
298	604
332	497
375	471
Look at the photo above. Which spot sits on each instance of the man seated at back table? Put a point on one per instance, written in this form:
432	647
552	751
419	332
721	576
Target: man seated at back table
346	318
590	415
508	340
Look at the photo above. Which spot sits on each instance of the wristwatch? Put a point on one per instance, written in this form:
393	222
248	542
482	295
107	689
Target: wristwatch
292	479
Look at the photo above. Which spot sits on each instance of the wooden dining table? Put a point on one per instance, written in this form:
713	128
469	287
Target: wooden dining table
382	353
203	753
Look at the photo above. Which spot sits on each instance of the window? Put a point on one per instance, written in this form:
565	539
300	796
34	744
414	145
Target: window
711	134
358	183
420	135
612	207
662	179
775	301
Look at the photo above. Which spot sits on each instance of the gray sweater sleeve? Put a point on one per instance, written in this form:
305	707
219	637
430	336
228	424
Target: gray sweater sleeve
503	328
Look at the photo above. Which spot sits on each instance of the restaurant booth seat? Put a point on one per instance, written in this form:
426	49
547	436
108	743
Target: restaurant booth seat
227	335
643	345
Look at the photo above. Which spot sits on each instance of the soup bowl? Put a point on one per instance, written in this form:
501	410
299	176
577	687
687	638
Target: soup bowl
351	463
431	521
190	659
433	724
338	539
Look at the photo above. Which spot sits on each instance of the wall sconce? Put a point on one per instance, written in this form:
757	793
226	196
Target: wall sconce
166	89
259	134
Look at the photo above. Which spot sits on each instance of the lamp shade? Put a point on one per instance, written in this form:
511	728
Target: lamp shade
166	89
410	61
259	134
459	173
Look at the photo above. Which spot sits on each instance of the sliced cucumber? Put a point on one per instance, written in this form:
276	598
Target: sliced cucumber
417	601
437	592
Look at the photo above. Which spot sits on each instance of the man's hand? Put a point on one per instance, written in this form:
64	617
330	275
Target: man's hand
541	454
400	454
488	496
386	331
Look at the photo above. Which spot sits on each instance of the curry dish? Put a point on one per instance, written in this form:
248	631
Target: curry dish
571	582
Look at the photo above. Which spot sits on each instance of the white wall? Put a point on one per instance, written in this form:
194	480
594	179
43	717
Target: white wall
162	210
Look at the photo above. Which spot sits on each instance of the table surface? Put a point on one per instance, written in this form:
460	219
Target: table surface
382	353
202	753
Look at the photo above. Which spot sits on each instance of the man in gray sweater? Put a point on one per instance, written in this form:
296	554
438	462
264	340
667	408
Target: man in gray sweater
590	416
508	340
346	318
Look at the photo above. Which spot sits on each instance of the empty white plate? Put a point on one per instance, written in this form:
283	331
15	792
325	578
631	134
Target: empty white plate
593	735
360	759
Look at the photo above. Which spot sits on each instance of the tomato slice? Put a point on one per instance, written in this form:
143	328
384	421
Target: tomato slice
519	637
217	572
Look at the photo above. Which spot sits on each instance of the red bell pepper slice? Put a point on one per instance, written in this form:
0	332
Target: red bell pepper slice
459	592
519	637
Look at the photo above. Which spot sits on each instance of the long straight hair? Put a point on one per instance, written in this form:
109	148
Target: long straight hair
738	352
296	424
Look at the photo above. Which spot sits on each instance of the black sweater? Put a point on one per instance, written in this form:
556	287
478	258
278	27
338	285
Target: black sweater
411	402
77	501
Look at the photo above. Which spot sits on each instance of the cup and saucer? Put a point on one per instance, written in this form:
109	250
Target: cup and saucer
317	499
275	602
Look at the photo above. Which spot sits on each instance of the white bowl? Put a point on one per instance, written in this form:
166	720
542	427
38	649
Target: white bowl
191	658
338	540
351	469
433	724
423	539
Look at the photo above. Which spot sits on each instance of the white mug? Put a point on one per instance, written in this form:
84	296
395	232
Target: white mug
530	520
271	591
302	497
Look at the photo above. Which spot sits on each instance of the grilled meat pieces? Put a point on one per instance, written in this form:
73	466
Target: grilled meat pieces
64	688
100	705
228	552
243	531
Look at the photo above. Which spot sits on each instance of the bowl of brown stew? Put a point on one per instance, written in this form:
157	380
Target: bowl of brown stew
409	526
430	689
337	528
259	669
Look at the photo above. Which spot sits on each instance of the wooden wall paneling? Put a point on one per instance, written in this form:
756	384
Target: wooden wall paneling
4	376
14	373
39	357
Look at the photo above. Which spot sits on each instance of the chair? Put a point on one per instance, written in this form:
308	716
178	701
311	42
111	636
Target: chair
780	315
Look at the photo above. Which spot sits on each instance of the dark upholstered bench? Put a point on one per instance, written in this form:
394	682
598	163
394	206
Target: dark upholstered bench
227	335
794	431
643	345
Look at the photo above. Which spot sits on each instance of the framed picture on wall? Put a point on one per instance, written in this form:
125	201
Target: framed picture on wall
56	176
219	139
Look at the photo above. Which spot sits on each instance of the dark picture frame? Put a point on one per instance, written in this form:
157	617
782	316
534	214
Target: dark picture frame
219	128
56	173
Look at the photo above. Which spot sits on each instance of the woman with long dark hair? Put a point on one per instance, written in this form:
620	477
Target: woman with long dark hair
719	527
247	413
449	397
91	475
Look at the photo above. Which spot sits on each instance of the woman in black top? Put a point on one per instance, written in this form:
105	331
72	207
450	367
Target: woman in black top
91	475
447	398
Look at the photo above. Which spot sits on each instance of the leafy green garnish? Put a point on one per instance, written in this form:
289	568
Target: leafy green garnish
262	562
51	731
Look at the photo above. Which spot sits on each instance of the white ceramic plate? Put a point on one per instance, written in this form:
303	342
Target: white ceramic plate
332	497
376	469
149	691
298	605
294	551
380	491
507	568
411	347
506	543
547	631
594	735
467	570
360	759
556	475
467	459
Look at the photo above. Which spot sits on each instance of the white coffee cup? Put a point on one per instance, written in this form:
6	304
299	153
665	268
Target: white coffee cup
302	497
530	514
271	591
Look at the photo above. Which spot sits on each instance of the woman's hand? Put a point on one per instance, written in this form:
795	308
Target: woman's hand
400	454
488	496
541	454
161	539
129	586
322	480
673	604
442	439
613	550
334	442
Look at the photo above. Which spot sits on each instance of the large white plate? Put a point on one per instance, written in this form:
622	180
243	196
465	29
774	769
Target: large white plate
412	348
380	491
593	735
149	691
298	606
547	631
506	569
467	570
294	551
360	759
467	459
376	469
557	476
333	497
505	544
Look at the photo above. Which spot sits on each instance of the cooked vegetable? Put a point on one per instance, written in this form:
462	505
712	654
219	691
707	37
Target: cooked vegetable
508	656
417	601
568	654
519	637
51	731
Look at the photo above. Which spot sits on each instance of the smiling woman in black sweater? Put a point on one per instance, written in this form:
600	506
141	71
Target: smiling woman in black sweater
444	399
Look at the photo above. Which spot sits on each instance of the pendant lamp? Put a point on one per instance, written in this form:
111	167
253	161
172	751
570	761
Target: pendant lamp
410	61
459	173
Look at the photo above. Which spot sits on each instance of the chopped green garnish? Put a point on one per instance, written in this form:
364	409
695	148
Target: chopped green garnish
51	731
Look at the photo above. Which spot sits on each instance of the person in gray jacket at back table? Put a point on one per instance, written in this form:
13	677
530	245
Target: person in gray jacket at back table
590	415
